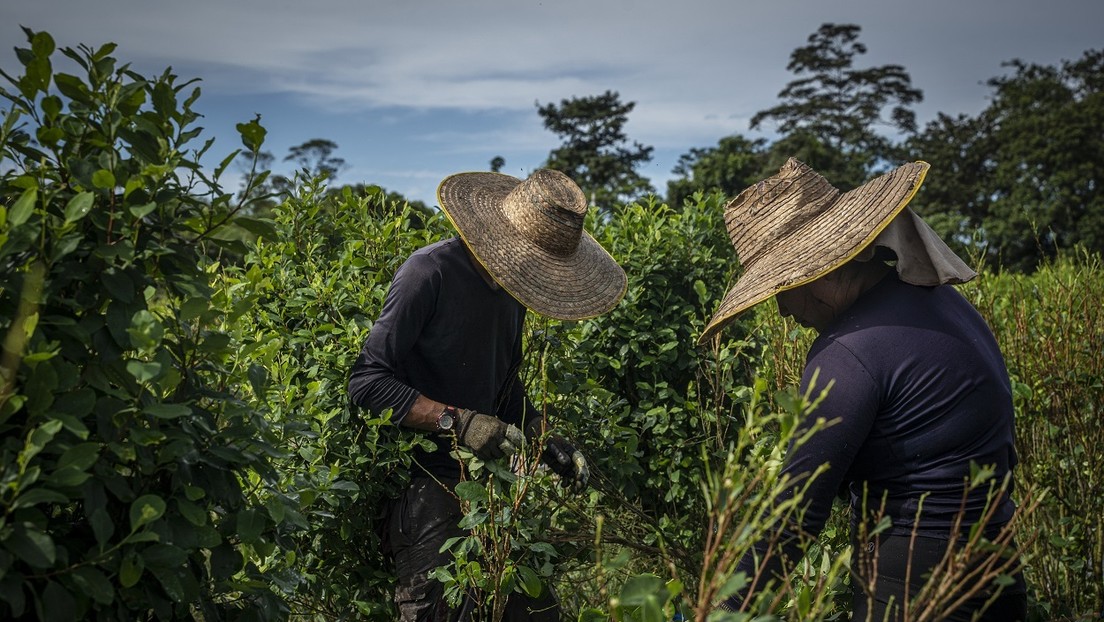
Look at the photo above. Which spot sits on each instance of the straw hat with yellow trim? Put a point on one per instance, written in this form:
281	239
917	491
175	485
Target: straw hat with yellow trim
795	227
529	236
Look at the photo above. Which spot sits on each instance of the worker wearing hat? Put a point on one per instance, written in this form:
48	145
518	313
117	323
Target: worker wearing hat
444	355
917	388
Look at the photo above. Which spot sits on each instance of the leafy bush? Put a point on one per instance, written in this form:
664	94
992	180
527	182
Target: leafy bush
1050	326
123	450
314	282
176	441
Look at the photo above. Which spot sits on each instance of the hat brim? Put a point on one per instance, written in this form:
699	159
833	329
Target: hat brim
582	285
823	244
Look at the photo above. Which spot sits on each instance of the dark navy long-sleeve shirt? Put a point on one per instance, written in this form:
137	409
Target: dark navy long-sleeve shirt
920	390
444	333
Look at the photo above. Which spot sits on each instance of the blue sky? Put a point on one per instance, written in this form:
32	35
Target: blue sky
414	90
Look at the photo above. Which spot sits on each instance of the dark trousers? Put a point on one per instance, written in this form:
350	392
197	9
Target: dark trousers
891	554
420	521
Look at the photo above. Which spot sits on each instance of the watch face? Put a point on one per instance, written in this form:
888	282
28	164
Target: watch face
445	421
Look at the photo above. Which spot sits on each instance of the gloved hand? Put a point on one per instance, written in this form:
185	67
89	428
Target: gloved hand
488	437
560	456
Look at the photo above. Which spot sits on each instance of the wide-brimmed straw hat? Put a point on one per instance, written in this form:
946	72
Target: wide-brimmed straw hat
529	236
795	227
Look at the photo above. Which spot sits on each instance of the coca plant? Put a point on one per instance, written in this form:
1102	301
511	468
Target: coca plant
128	469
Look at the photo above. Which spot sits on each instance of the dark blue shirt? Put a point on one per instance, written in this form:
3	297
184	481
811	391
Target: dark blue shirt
920	390
446	334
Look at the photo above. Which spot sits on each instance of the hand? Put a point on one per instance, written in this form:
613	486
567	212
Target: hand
561	456
488	437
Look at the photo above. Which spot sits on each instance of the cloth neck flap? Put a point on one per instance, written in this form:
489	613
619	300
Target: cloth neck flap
922	257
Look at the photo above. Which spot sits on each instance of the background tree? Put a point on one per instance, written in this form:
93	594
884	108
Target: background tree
1026	175
841	106
316	157
596	152
497	163
731	166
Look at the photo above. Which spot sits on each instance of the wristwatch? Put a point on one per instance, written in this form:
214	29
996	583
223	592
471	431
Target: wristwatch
446	420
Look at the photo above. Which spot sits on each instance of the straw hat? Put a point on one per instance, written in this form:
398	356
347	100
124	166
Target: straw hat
529	236
795	227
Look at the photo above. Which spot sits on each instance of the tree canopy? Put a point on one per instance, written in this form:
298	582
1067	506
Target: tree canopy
843	107
595	152
1022	179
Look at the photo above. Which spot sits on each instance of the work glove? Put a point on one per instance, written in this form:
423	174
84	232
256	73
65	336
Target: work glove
488	437
560	456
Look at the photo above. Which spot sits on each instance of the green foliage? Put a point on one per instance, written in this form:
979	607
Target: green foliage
633	368
734	164
314	284
1025	173
840	106
176	441
124	454
595	151
1050	326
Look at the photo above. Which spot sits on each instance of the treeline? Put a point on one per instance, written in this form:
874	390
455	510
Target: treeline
175	441
1009	187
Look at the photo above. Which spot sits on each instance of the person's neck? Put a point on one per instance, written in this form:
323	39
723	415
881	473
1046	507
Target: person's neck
487	278
865	276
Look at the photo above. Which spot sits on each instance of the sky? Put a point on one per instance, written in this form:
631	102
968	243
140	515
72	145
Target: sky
414	90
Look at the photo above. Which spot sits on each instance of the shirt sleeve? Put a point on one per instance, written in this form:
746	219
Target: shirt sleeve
514	406
410	303
850	406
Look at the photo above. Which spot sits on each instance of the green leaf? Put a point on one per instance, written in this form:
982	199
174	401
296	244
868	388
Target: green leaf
68	478
118	284
170	580
252	133
530	581
130	571
260	227
141	211
78	207
31	545
194	493
163	410
102	526
191	512
103	178
94	584
471	491
23	207
145	510
35	496
146	331
58	604
11	593
80	456
250	523
42	44
38	439
72	87
164	556
194	308
142	371
473	519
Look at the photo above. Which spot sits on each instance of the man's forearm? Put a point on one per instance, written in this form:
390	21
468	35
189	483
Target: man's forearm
423	414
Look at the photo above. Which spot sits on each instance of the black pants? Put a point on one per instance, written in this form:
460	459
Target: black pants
891	554
419	523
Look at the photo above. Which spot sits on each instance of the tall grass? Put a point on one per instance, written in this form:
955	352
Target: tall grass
1050	326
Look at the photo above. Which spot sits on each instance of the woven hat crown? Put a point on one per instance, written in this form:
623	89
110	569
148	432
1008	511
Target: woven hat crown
795	227
763	215
548	209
